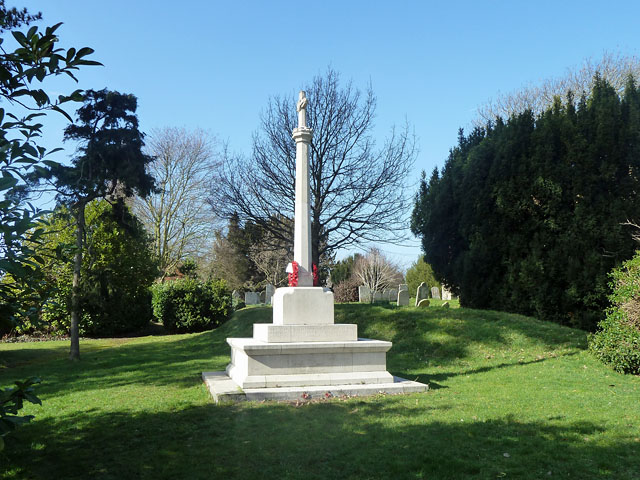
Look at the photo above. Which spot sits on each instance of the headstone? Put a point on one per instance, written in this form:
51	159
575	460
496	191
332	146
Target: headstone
403	298
423	303
269	291
377	297
421	293
446	294
445	305
251	298
364	294
403	286
236	295
263	296
435	292
393	294
385	294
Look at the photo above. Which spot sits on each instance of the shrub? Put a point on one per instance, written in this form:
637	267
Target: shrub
11	402
189	305
617	342
346	291
420	272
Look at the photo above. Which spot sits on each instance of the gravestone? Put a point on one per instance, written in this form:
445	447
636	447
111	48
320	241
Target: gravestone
386	293
403	298
364	294
393	294
251	298
269	291
377	296
303	354
423	303
235	295
435	292
446	294
403	286
263	296
421	293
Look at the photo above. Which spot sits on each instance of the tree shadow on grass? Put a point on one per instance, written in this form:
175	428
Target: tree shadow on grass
432	378
438	335
380	437
134	362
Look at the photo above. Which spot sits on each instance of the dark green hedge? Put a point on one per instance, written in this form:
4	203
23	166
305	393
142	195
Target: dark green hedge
190	305
528	214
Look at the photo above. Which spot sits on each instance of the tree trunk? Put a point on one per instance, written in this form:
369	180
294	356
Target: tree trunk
74	353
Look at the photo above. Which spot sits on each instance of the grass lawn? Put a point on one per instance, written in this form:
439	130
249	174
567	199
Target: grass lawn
510	397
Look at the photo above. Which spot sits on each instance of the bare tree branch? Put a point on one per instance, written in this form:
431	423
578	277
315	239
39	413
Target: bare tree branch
178	217
357	190
614	68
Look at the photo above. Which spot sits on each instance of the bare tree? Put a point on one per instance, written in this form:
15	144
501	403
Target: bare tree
272	263
178	217
376	271
357	189
614	68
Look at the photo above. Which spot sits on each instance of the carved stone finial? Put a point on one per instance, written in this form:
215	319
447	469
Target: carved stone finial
302	109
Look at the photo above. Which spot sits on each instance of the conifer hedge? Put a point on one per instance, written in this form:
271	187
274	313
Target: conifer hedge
527	214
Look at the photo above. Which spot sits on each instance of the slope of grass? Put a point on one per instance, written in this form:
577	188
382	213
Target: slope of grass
511	397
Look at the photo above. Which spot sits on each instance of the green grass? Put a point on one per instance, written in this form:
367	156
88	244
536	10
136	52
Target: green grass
511	397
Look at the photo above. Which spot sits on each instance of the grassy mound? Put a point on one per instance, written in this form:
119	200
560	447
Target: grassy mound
511	397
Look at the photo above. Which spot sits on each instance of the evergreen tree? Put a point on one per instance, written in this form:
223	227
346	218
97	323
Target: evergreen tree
528	214
110	165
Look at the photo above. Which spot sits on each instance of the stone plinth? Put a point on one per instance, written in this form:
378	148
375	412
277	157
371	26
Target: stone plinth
303	353
270	333
303	306
256	364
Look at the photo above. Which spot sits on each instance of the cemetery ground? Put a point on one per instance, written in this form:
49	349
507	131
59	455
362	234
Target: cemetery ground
510	397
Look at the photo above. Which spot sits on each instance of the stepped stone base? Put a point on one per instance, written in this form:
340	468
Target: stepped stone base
257	364
223	389
270	333
303	355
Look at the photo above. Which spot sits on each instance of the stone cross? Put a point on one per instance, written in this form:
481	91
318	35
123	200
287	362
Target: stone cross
302	229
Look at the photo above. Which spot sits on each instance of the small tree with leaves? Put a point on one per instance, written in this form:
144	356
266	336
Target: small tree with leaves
22	74
110	165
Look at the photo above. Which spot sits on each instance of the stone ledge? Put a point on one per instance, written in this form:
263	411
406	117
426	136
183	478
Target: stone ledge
311	379
270	333
222	389
256	348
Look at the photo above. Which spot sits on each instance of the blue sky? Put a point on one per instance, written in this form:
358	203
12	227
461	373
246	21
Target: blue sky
213	64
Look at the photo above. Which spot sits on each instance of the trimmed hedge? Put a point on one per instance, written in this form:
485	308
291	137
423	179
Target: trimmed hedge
190	305
617	342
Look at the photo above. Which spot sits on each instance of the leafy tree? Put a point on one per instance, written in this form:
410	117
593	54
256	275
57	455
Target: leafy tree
357	192
110	165
177	216
528	214
232	255
22	74
117	270
420	272
343	269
